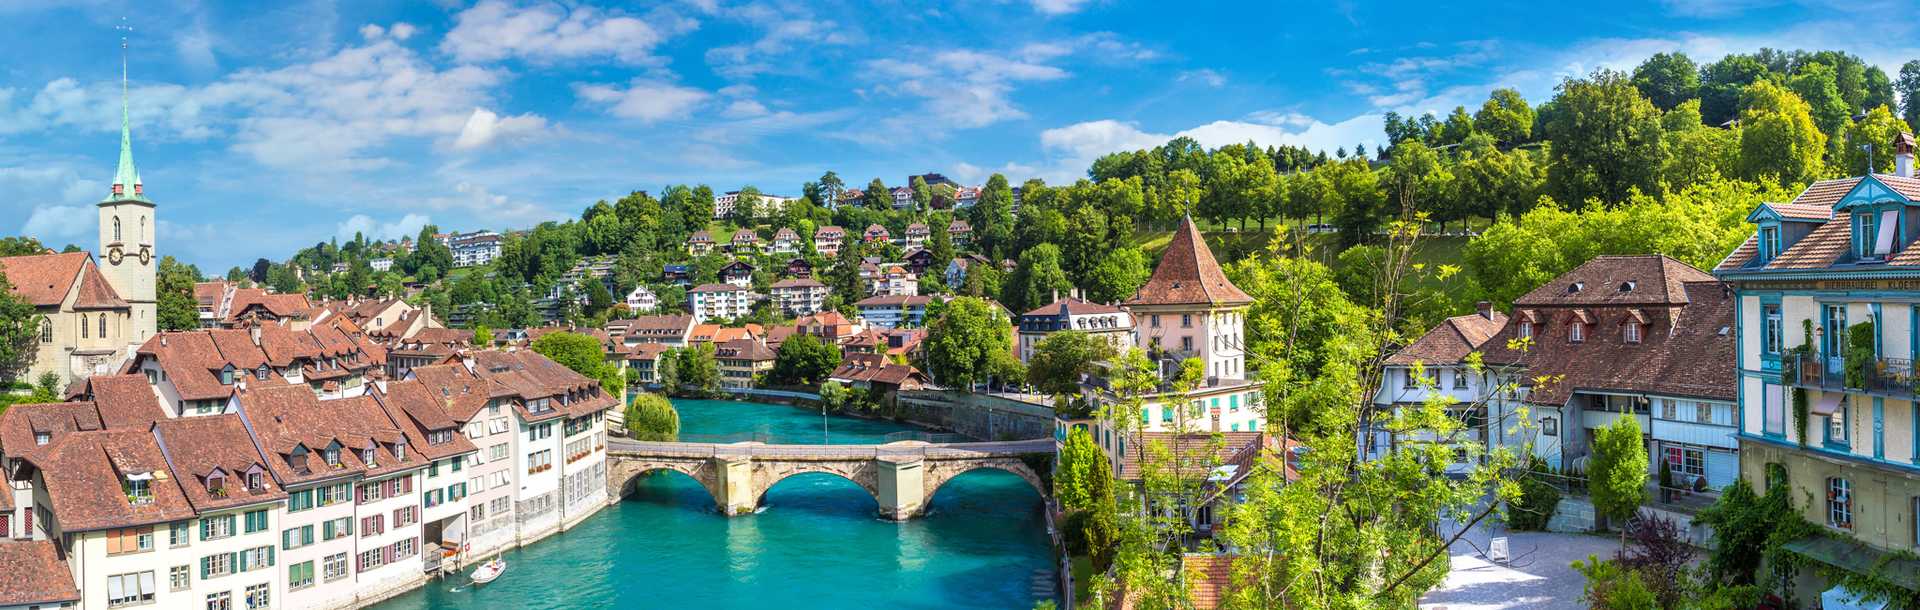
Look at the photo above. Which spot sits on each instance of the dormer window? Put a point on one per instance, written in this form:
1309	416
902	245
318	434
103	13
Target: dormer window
1526	330
136	486
332	456
367	455
1630	332
256	481
1874	232
260	373
42	438
1576	333
1769	243
1576	287
217	484
226	376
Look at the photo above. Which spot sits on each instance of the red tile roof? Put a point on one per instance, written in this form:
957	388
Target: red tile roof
200	447
44	279
1072	306
1450	341
124	401
1686	349
32	573
1617	280
419	411
1187	274
78	469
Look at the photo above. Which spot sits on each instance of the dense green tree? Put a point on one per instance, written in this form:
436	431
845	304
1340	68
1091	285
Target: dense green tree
1354	190
922	196
482	336
803	360
1062	358
1606	140
427	252
1457	129
1909	87
1667	79
177	309
1417	172
1779	139
1118	276
1240	189
1818	86
877	197
1506	116
698	369
1084	476
831	187
20	246
1722	83
651	417
992	218
576	351
940	244
1037	280
19	335
1874	132
971	342
1696	153
1618	473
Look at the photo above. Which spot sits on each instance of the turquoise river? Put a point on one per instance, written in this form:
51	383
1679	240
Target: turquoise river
816	543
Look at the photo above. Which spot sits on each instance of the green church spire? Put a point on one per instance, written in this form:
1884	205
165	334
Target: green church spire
126	181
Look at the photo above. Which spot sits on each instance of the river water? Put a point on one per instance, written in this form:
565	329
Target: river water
816	544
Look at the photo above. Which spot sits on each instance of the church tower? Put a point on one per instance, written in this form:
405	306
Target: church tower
126	256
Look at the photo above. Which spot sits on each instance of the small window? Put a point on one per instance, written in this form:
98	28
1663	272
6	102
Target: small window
1632	332
1549	426
1526	330
1840	503
46	330
1576	333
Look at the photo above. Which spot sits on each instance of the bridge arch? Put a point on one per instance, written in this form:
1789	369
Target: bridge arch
629	471
939	473
767	474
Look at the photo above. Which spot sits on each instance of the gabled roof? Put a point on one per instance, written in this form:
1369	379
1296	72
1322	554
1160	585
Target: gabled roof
1071	306
1187	274
1618	280
418	411
85	473
32	573
124	401
197	447
1450	341
20	424
1686	349
44	279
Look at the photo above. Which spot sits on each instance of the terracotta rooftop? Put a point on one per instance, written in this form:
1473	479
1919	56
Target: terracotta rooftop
1451	340
80	467
46	279
1187	274
203	448
1686	349
33	574
1071	306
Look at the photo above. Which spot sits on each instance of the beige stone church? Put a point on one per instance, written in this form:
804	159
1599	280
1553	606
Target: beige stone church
94	311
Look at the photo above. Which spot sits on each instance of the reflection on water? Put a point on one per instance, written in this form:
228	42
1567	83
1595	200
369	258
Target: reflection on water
818	544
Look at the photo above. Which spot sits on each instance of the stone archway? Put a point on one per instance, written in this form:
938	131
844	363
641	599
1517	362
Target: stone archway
862	472
940	472
627	471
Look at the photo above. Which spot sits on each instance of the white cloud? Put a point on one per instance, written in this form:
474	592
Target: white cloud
362	224
57	225
494	30
966	88
1058	7
745	109
484	127
644	100
1205	76
1073	148
402	31
788	31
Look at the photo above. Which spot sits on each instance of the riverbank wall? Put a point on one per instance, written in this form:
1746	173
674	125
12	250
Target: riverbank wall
980	416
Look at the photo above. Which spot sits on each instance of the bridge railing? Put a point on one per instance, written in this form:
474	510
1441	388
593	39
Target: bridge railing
686	449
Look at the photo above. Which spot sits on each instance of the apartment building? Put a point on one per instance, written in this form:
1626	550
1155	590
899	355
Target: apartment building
476	248
701	242
917	235
489	425
719	302
1105	322
740	360
560	436
827	240
430	429
799	297
1825	317
893	311
671	330
785	241
1438	364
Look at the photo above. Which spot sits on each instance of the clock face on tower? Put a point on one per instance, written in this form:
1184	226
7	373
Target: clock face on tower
114	255
146	255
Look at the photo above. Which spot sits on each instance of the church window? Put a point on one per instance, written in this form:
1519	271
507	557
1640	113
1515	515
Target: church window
143	230
83	326
103	326
46	330
116	228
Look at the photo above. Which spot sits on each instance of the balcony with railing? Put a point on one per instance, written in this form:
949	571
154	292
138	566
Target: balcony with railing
1893	377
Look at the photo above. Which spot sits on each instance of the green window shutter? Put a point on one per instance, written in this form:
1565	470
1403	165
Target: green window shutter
206	564
234	559
206	528
269	557
286	539
306	533
326	530
456	464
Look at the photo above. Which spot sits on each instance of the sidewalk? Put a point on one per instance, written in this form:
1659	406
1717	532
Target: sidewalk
1538	575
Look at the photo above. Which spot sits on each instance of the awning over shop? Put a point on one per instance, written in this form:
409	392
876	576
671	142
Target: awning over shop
1859	559
1829	403
1842	598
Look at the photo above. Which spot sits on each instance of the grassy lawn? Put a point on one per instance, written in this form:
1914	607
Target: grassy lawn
1082	575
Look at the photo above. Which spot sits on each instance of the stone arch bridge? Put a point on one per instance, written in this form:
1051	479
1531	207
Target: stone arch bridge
902	476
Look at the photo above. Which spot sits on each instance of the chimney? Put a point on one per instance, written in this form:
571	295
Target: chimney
1486	309
1903	155
254	332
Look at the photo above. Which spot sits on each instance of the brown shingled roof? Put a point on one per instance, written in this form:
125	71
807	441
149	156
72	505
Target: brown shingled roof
43	279
80	467
1450	341
1604	280
95	292
32	573
1187	274
1686	350
124	401
198	447
418	411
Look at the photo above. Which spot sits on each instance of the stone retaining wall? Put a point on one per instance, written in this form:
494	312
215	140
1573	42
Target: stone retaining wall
980	416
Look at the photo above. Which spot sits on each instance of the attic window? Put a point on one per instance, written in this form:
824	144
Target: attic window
42	438
216	483
1575	287
332	457
1626	286
367	455
256	482
260	373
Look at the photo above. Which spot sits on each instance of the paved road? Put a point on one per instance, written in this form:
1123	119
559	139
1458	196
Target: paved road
1539	575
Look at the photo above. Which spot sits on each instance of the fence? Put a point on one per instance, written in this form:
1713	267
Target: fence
926	437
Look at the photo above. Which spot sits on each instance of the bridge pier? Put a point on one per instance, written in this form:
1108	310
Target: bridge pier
902	483
736	495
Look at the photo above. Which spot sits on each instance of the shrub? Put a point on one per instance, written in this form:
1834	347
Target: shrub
1611	586
650	417
1537	502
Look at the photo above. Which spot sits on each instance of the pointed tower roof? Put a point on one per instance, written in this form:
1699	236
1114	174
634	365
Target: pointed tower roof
126	181
1188	275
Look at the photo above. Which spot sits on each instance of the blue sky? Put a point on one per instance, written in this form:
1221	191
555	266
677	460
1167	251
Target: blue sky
260	131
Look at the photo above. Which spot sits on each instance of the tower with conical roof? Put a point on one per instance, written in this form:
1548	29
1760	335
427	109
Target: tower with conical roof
1189	310
126	254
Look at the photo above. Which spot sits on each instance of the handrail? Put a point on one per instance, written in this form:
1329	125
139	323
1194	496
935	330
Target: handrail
708	450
